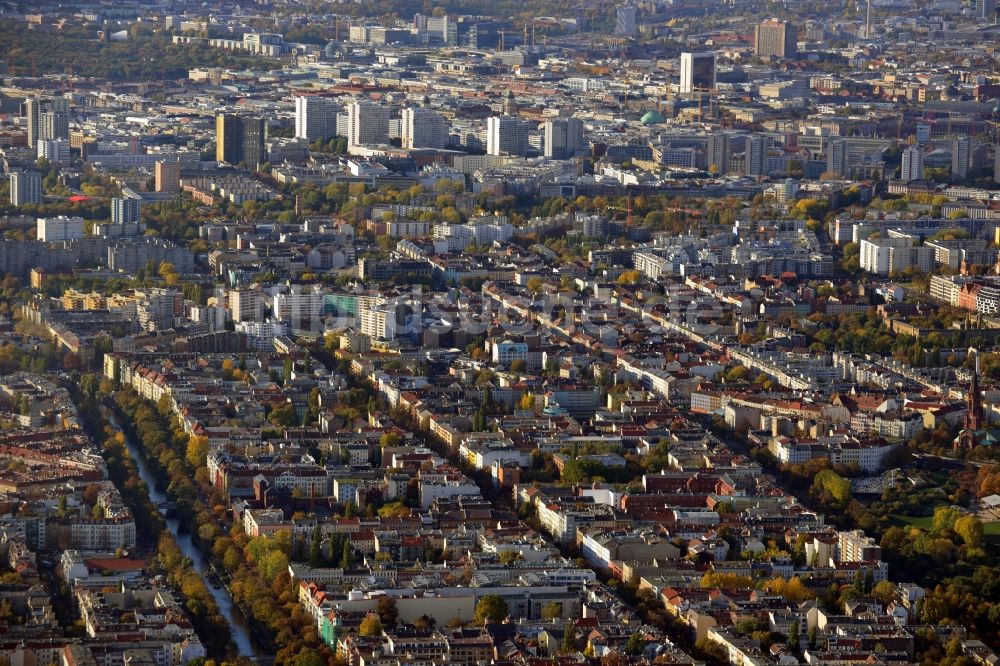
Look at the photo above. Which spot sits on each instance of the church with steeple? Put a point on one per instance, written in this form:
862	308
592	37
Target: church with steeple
974	433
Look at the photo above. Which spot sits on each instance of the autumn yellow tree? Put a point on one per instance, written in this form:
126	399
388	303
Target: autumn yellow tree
792	589
197	451
169	274
724	579
370	626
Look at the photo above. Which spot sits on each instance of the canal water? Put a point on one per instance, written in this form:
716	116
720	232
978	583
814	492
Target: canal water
243	637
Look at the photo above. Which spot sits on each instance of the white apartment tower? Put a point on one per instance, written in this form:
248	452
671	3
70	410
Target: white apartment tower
505	135
913	164
315	118
368	124
755	156
717	152
423	128
25	187
58	229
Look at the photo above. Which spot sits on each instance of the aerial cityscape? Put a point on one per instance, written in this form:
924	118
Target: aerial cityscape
453	332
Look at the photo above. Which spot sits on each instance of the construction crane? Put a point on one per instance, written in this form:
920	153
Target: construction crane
701	91
628	206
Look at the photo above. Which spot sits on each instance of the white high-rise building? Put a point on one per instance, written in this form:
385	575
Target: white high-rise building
423	128
315	118
836	157
378	321
58	229
563	138
505	135
245	305
717	153
913	164
368	124
298	304
697	72
755	156
25	188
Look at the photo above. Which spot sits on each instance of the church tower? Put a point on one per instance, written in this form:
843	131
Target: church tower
967	439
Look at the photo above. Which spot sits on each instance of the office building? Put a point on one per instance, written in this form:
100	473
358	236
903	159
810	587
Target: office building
315	118
996	163
240	140
54	125
961	152
625	20
367	123
53	150
168	176
32	112
25	188
59	104
717	153
913	164
775	38
442	28
124	210
58	229
697	72
423	128
986	10
755	156
563	138
836	157
505	135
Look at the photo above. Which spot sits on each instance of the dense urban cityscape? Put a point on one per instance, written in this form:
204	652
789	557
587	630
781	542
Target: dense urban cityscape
487	333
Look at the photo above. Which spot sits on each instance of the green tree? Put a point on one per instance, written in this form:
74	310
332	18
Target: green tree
569	638
390	439
315	547
831	483
491	609
635	644
884	591
346	556
284	415
945	518
552	611
793	635
307	656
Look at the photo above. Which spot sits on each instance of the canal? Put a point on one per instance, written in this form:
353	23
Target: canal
243	636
